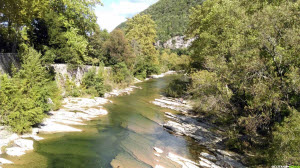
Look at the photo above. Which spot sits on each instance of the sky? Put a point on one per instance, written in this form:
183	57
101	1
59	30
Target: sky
115	12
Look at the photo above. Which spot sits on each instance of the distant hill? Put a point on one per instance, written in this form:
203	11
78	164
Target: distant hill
171	17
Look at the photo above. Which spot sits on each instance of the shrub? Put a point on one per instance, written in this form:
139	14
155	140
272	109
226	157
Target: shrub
212	94
286	141
121	74
71	88
93	82
172	61
24	97
177	88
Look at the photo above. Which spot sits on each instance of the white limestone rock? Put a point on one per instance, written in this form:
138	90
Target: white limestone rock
5	161
185	163
15	151
24	144
158	150
208	156
52	127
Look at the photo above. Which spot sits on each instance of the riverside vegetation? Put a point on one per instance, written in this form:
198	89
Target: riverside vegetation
65	31
244	76
242	71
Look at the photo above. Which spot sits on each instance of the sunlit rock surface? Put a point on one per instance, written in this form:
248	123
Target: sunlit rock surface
200	131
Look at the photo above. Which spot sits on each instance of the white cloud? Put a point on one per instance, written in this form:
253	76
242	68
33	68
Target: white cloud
114	13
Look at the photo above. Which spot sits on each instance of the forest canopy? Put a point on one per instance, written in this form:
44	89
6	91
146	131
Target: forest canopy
245	73
170	16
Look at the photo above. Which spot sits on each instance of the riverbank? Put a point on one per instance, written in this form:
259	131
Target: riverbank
205	133
75	112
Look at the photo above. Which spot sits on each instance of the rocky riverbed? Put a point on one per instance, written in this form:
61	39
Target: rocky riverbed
74	112
203	132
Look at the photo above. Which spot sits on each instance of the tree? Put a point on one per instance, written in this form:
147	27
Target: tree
96	45
140	30
118	49
246	60
170	16
18	13
69	24
24	97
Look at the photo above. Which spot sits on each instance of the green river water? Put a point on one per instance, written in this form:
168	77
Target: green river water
123	138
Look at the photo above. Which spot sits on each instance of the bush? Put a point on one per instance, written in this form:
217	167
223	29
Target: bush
177	88
169	60
212	95
24	97
93	82
71	88
286	141
121	74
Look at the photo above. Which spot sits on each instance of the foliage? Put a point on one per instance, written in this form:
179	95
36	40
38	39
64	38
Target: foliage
93	81
213	97
177	88
170	60
285	148
170	16
96	45
60	29
141	33
247	68
25	97
71	88
121	73
15	14
118	50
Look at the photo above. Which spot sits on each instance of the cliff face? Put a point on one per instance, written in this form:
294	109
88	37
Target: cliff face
7	60
62	71
177	42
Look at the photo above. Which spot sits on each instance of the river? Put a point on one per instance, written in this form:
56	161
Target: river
123	138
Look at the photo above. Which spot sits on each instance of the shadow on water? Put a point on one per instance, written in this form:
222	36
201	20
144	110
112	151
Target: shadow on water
126	135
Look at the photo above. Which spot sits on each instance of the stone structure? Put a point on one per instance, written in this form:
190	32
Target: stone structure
177	42
7	60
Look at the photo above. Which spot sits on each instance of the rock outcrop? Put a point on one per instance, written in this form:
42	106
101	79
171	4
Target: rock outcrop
77	74
201	131
174	104
177	42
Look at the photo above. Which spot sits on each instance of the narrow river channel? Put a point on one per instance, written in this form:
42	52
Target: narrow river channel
123	138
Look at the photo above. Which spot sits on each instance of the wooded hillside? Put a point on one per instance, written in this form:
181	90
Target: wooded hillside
170	16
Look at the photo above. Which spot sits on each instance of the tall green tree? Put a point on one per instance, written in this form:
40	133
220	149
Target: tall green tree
17	14
141	32
96	45
24	96
118	50
69	24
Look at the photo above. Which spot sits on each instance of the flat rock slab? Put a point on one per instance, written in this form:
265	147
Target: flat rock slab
52	127
24	143
4	161
15	151
158	150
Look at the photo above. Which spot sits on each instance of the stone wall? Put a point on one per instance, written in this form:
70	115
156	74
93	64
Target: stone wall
7	60
76	74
